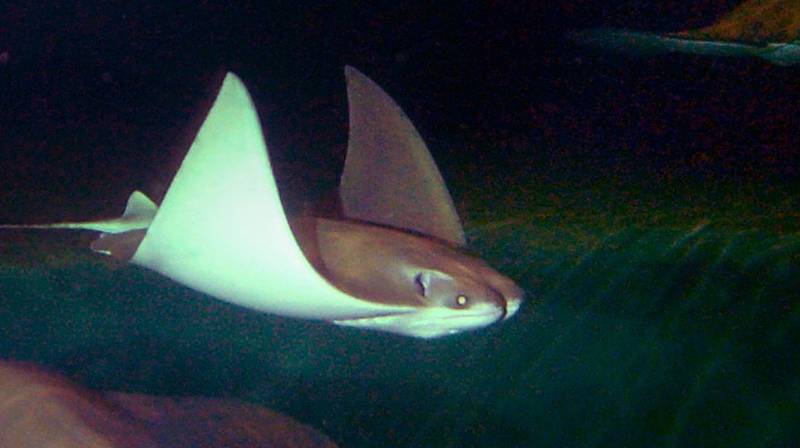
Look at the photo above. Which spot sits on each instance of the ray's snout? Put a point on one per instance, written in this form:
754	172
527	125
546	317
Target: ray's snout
512	296
505	295
502	303
512	305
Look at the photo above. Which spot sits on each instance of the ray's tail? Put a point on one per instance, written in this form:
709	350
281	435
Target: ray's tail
139	212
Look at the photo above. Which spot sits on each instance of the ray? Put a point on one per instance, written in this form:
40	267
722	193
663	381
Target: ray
221	229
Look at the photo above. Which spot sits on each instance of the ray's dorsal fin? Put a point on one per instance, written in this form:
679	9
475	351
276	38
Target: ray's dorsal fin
389	175
140	206
122	245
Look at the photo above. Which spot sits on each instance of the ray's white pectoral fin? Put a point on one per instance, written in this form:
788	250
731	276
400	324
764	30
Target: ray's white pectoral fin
222	229
389	175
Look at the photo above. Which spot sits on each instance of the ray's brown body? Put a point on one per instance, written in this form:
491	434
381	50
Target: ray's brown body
367	260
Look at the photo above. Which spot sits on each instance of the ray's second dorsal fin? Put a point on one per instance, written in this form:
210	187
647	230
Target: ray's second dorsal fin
389	175
139	205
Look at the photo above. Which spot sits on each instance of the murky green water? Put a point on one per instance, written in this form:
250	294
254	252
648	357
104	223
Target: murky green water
676	334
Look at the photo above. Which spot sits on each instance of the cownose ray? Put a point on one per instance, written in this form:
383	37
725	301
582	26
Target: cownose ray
769	29
393	263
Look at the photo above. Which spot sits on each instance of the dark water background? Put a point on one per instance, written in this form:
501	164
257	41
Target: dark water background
649	206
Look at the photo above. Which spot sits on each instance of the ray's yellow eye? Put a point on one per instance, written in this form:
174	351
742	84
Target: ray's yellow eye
462	300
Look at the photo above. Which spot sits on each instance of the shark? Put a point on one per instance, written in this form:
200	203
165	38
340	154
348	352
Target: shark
767	29
394	261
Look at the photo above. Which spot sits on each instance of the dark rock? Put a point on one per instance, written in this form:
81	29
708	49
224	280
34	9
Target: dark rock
40	409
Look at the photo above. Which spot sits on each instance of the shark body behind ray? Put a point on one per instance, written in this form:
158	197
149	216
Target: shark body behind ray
767	29
394	263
